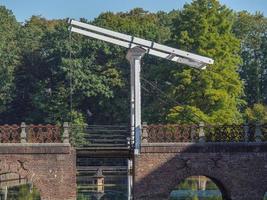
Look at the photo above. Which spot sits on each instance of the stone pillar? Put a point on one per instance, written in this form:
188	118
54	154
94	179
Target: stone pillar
23	134
201	132
202	184
66	133
144	133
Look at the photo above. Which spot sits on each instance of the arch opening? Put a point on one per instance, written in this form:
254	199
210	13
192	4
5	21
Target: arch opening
265	196
15	186
198	188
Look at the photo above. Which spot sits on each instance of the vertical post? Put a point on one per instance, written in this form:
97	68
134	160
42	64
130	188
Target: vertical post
130	178
23	134
246	130
258	132
201	132
144	133
6	191
134	56
66	134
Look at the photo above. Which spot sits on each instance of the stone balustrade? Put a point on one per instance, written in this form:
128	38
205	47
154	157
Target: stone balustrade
176	133
34	133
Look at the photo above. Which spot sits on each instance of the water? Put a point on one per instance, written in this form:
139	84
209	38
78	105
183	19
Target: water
116	189
22	192
196	195
115	192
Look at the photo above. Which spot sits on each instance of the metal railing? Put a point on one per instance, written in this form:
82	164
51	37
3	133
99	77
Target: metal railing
173	133
34	133
101	136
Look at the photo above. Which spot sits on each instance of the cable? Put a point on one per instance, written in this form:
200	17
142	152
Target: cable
168	104
170	99
70	78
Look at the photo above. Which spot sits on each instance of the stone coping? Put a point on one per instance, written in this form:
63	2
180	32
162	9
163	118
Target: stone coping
35	148
207	147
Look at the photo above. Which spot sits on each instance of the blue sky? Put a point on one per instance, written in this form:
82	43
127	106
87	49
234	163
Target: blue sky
53	9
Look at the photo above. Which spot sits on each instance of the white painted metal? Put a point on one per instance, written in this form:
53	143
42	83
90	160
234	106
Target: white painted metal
144	43
103	31
130	179
153	52
6	191
101	37
134	56
132	102
137	104
137	48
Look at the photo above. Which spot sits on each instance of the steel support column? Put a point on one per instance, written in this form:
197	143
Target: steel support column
134	56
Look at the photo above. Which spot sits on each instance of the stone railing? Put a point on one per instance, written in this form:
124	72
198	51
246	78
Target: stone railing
34	133
174	133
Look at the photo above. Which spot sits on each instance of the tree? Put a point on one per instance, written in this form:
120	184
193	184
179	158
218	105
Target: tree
252	31
30	74
9	55
257	114
140	23
213	95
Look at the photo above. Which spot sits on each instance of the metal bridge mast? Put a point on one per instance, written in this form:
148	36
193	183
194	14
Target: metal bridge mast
137	48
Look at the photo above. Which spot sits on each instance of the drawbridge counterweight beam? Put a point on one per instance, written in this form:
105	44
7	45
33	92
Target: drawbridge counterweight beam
137	48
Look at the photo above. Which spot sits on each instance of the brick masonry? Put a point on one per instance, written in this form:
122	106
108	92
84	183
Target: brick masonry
238	169
50	167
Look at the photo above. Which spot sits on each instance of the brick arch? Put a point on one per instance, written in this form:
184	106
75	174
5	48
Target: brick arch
19	167
220	183
238	169
24	179
50	168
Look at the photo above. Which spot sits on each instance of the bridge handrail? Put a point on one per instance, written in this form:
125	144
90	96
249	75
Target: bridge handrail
101	136
176	133
34	133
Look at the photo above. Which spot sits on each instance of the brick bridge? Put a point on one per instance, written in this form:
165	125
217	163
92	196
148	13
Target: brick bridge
233	157
38	155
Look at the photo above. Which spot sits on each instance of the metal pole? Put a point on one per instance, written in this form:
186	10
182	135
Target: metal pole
134	56
130	179
6	190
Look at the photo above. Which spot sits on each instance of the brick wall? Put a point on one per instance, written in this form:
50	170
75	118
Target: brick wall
238	169
50	167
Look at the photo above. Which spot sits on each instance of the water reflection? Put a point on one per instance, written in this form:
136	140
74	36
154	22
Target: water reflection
102	178
110	193
196	188
21	192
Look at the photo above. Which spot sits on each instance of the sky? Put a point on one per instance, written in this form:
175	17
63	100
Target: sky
90	9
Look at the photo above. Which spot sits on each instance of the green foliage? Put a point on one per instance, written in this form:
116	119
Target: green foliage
9	55
37	71
77	131
252	30
214	95
23	192
257	114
